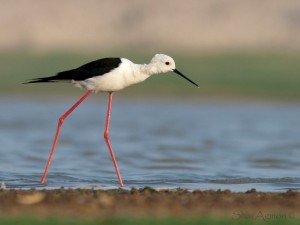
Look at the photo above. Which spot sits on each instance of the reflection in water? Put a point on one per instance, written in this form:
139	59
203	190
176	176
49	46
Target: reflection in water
189	145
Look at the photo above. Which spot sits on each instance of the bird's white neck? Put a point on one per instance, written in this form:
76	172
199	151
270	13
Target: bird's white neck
139	72
137	75
142	71
150	69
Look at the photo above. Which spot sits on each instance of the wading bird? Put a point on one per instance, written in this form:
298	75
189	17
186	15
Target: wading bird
107	75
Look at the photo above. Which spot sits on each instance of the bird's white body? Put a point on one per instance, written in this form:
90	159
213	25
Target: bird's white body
126	74
123	76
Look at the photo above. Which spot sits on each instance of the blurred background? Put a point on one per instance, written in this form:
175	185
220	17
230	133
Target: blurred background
231	48
244	118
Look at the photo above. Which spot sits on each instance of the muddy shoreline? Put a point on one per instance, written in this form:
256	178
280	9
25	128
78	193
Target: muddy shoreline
87	203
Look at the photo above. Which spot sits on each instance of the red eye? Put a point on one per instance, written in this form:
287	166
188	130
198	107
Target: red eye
167	63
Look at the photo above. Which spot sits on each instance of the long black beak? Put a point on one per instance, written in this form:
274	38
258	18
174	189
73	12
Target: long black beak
180	74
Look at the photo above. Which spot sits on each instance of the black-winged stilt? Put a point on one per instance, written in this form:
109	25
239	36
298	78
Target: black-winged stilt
109	75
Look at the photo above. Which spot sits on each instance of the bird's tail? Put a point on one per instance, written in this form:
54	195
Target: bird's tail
40	80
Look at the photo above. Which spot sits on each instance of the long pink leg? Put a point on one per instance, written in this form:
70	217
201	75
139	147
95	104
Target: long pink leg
60	122
106	137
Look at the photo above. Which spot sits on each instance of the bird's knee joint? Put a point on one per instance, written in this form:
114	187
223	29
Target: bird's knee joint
60	120
106	135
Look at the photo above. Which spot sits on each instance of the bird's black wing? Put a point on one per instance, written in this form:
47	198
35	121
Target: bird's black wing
91	69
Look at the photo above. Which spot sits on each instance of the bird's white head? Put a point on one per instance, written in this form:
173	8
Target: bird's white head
161	63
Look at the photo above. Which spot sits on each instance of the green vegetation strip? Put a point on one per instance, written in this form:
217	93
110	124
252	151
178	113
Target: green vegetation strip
147	221
218	74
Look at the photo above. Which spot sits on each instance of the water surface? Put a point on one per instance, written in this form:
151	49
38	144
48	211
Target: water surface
193	145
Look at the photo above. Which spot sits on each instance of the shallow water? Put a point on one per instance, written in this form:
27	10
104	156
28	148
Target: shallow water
194	145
